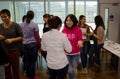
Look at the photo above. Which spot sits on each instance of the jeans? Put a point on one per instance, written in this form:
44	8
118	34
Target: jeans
83	54
2	73
29	59
73	63
97	53
58	74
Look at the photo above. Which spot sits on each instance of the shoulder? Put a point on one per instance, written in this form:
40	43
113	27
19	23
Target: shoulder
100	28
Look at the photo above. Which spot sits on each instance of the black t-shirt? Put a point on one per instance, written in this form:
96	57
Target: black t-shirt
12	32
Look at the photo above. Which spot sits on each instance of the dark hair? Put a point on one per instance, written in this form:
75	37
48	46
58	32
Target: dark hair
99	22
5	11
30	16
24	17
46	16
54	22
80	18
74	20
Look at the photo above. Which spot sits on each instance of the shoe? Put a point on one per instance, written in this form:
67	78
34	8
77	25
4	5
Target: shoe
84	71
36	77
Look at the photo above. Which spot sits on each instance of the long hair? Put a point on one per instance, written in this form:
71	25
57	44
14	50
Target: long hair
99	22
74	20
80	18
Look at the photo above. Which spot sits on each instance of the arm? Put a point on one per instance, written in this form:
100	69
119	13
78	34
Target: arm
38	40
80	42
67	45
10	40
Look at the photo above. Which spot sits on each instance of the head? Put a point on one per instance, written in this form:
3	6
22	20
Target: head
5	15
55	23
30	16
46	17
82	19
24	18
70	21
99	21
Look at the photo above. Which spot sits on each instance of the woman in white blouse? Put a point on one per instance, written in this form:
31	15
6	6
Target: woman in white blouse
56	44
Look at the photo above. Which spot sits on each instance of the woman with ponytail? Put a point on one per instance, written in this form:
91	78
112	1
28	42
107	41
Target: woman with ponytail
31	44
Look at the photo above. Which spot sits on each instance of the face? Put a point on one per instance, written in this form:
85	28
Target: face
83	20
5	18
69	22
45	19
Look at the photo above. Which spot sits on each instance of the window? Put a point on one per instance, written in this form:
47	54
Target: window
80	8
58	8
7	5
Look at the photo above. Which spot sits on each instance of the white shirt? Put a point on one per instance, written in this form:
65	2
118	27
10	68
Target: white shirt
55	43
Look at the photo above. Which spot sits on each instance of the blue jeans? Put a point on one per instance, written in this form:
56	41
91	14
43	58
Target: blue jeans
29	59
2	73
83	54
73	63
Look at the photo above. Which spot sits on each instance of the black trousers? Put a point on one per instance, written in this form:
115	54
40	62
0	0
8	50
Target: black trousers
58	74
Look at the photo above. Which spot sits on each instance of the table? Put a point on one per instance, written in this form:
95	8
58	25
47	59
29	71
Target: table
114	48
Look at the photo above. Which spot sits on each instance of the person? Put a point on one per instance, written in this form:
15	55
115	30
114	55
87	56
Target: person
46	28
99	40
56	43
45	18
31	44
12	34
74	35
24	18
3	58
85	36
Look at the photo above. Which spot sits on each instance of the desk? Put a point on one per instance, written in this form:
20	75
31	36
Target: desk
114	48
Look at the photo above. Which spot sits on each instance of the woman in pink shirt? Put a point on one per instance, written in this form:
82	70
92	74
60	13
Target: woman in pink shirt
74	35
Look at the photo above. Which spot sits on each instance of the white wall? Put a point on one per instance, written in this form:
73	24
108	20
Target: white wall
114	26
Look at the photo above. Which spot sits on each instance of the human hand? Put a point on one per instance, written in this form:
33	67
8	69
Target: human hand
2	37
9	41
80	43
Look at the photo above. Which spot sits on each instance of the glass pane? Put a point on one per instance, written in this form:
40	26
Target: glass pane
38	8
91	10
58	8
70	7
7	5
106	22
79	8
21	7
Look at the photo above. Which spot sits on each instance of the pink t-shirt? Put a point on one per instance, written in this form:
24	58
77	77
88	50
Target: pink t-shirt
74	35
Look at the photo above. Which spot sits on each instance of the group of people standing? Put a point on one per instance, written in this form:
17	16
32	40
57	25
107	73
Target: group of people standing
61	50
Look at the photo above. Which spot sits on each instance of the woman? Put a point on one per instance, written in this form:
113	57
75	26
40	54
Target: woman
100	38
56	43
46	17
74	35
31	44
12	34
85	36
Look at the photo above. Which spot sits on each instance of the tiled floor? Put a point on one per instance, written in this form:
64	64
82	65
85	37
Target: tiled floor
107	71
